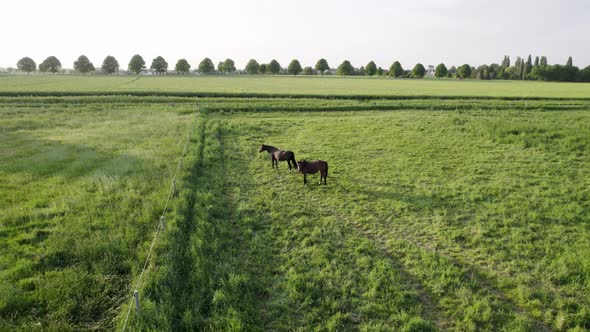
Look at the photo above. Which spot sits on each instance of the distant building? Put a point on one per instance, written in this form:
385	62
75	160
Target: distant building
146	71
430	71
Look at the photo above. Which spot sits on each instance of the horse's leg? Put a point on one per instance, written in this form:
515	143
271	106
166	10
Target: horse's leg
304	179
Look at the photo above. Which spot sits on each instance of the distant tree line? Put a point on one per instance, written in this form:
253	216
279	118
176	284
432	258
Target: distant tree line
528	69
522	69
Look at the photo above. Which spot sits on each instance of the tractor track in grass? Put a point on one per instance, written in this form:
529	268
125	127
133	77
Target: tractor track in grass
381	236
432	309
481	284
132	81
485	275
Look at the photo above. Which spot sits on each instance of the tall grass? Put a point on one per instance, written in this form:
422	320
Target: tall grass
81	191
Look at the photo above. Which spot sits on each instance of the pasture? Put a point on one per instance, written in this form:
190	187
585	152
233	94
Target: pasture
439	214
288	86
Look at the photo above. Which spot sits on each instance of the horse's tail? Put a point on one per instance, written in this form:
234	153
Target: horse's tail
326	169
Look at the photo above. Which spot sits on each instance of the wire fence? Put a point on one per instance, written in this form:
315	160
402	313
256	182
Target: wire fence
160	226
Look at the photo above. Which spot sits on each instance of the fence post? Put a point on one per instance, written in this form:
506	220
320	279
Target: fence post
136	296
174	187
163	222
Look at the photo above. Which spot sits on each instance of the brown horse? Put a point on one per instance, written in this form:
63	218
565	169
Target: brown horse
277	155
312	167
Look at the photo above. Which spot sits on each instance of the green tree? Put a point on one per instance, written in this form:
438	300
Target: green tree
543	61
263	68
345	68
380	71
396	69
452	71
517	72
51	64
26	64
322	66
528	66
294	67
182	66
419	71
221	67
159	65
569	62
493	70
536	70
464	71
535	73
83	65
229	66
274	67
482	72
506	62
441	70
206	66
110	65
136	64
583	75
371	68
308	71
252	67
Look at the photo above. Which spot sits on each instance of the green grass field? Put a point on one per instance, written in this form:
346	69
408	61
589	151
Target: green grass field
286	85
439	214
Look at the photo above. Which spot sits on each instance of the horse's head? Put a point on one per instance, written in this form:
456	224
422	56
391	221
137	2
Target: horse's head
300	165
262	148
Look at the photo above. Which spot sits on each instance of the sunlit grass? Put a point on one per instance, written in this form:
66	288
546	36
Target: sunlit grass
288	85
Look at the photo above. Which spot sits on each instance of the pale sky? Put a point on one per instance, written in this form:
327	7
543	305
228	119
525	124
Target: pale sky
426	31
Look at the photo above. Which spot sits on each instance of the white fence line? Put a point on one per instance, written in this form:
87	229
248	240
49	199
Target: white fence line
161	225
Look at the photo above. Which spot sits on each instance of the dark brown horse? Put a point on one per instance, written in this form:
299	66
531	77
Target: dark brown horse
312	167
277	155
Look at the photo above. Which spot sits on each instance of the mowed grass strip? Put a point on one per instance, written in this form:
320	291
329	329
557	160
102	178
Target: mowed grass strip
81	192
288	86
230	105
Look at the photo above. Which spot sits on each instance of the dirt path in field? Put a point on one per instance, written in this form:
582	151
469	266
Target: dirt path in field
132	81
